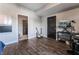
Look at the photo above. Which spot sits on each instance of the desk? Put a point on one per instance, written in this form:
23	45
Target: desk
66	35
63	35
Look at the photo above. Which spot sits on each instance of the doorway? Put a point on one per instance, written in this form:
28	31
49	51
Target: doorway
25	29
51	31
22	27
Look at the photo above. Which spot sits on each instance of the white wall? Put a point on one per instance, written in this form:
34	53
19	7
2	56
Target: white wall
12	11
44	26
69	15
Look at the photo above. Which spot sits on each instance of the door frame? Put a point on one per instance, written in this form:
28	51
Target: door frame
18	26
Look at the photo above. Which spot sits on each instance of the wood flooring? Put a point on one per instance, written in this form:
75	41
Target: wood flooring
43	46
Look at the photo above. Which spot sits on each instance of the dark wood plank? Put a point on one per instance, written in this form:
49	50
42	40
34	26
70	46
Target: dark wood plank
37	47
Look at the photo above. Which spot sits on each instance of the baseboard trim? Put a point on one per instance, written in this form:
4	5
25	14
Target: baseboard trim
11	42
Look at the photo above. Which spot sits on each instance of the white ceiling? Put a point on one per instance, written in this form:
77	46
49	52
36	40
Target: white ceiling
43	9
57	8
34	6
